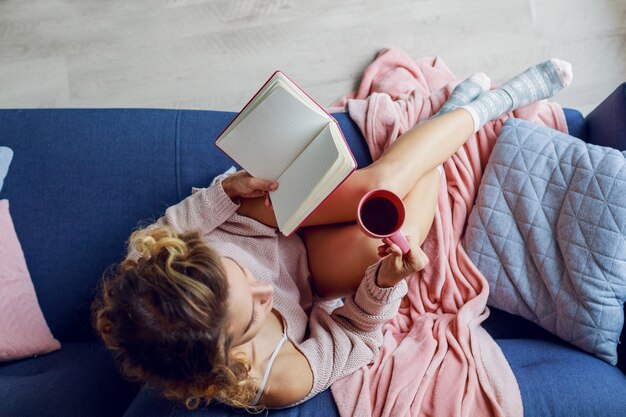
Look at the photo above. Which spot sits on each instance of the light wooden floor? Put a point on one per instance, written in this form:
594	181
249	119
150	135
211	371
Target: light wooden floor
214	54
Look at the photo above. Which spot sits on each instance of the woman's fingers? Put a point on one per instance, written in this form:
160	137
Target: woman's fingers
414	260
263	185
395	249
385	249
242	184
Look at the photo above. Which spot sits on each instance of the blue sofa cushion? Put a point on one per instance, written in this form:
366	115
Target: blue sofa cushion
560	381
555	380
576	124
78	380
80	181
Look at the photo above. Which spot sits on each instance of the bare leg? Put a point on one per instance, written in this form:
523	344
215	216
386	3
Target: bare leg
339	254
415	153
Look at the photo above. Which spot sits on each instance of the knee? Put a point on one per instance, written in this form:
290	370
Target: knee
383	177
394	177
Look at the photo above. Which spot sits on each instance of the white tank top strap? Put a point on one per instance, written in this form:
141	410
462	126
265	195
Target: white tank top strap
269	367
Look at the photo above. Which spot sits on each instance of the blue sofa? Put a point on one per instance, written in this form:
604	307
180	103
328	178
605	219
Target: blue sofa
81	180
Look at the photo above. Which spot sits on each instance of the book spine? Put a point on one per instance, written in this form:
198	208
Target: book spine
339	185
324	110
346	142
333	120
323	201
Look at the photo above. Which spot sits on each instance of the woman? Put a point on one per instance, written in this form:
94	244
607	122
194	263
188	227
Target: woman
213	303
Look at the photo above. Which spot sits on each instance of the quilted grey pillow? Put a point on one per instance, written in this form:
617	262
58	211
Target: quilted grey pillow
548	231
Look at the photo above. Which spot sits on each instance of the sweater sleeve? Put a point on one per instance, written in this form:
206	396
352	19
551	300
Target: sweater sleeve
350	337
203	211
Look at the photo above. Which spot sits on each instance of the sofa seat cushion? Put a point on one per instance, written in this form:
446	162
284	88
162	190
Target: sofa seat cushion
78	380
558	380
555	380
149	403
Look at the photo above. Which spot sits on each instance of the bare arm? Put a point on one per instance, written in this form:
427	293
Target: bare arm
256	209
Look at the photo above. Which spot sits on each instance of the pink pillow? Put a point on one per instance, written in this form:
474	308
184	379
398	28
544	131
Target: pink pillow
23	328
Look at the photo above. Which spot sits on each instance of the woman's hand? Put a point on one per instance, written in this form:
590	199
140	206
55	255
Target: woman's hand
395	267
243	185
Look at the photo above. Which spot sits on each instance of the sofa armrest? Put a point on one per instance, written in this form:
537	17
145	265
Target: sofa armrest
606	124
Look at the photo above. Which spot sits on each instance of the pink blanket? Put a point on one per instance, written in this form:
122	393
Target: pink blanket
436	358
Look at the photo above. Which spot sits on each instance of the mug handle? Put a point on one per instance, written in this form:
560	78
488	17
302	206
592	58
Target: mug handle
399	239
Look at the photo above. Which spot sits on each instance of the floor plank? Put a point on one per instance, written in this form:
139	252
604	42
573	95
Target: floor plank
213	54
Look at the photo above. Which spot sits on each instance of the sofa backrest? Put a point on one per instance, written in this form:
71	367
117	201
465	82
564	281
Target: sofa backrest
82	180
606	124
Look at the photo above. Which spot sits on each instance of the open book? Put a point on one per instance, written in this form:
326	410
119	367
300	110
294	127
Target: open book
285	136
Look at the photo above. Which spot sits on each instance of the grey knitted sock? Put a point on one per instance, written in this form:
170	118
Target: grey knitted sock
536	83
465	93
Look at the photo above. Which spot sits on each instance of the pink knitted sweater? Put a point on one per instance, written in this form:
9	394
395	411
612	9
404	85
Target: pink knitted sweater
337	339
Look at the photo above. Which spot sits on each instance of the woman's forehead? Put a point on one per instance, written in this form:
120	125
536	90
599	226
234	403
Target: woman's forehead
236	276
234	264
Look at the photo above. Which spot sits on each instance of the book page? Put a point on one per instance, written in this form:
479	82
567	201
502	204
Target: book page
270	136
303	175
283	80
278	79
341	169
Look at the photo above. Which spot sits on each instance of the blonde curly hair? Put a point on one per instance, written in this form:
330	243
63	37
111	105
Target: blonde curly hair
163	316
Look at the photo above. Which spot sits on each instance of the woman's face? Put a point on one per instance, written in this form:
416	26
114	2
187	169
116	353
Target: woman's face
249	304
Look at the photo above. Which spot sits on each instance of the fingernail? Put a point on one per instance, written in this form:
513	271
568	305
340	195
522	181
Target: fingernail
273	186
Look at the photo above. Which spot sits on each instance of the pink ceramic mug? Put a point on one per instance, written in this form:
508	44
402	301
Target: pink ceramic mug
381	216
